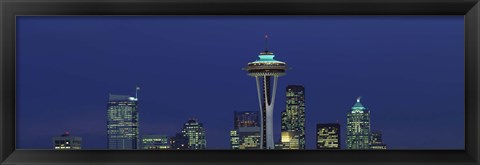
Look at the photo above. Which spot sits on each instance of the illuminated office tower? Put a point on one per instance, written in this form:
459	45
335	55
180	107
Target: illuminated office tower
266	69
67	142
245	138
376	141
155	142
288	140
293	118
195	134
179	142
245	119
328	136
358	127
122	122
246	134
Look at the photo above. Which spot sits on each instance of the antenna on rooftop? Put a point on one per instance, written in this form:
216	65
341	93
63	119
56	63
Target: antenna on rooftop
266	42
136	91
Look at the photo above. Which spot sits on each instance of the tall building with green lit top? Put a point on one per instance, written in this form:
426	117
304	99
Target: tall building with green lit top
358	127
293	118
195	133
122	122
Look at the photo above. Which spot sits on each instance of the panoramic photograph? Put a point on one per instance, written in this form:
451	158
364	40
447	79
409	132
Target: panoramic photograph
240	82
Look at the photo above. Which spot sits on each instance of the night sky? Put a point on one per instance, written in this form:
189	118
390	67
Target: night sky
409	71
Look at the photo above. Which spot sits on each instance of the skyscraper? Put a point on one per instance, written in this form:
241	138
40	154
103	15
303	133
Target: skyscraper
328	136
195	134
67	142
265	69
376	141
293	118
246	133
122	122
358	127
155	142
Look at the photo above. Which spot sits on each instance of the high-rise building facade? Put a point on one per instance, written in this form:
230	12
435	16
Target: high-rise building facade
246	133
265	70
376	141
288	141
155	142
67	142
358	127
293	118
328	136
122	122
245	138
195	134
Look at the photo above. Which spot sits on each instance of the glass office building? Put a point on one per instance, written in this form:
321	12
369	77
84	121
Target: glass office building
67	142
155	142
358	127
293	118
328	136
122	122
195	134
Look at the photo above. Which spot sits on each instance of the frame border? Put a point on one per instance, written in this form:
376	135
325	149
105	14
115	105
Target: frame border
11	8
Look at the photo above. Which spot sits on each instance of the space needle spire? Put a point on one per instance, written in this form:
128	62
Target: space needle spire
266	42
266	69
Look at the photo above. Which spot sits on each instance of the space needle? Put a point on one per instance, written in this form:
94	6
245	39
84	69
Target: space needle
264	70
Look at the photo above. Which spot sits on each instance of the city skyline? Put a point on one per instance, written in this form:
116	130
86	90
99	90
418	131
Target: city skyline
190	67
122	112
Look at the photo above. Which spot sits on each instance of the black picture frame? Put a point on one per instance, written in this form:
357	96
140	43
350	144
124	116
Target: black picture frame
11	8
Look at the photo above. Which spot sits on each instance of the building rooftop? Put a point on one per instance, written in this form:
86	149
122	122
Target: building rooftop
358	105
267	57
113	97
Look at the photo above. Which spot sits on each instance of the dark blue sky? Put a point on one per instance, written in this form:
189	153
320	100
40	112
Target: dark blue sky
408	69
